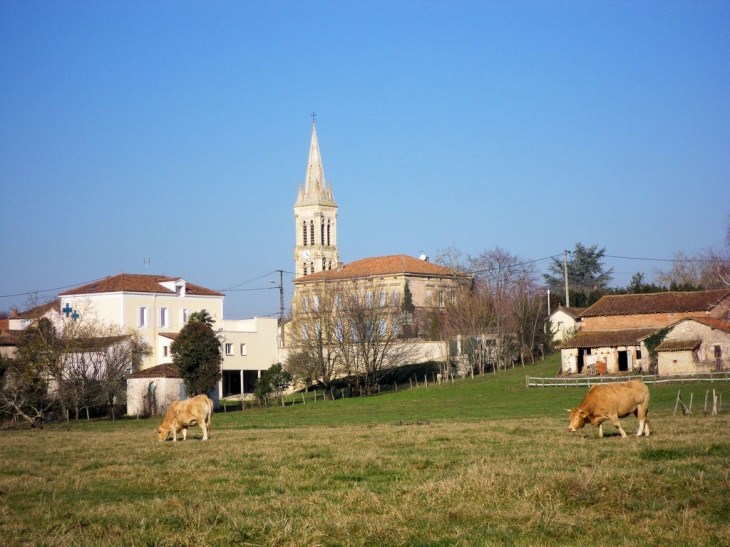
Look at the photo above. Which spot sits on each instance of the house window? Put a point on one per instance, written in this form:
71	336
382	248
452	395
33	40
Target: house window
338	301
311	266
396	297
305	332
164	317
429	298
382	327
382	299
304	233
305	303
229	349
369	300
718	352
164	351
315	302
441	299
243	349
330	265
185	316
143	317
324	264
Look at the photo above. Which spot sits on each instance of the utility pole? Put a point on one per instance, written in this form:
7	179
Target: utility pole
565	270
280	286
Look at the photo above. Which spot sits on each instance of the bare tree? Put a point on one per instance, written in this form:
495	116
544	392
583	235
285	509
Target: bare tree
348	328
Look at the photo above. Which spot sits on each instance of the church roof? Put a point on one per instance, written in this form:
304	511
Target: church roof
138	283
316	189
383	265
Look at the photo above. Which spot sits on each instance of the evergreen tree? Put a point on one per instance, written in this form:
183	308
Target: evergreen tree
587	278
197	355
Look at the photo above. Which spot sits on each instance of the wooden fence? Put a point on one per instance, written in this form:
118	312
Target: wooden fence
586	381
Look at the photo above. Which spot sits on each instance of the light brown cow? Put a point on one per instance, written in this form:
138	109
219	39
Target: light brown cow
611	402
183	414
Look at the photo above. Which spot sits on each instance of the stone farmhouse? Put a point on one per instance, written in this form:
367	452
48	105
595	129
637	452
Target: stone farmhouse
695	345
614	330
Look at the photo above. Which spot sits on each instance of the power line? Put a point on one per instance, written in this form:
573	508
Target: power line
29	293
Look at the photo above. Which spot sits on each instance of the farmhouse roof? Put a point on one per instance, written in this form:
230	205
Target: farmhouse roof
606	338
570	310
679	345
166	370
138	283
664	302
384	265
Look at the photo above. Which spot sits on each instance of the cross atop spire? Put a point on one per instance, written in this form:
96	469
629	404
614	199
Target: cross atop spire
313	116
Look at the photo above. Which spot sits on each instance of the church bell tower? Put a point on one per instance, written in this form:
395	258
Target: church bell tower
315	218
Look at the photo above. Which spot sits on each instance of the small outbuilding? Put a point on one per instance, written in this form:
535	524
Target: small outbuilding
695	345
150	391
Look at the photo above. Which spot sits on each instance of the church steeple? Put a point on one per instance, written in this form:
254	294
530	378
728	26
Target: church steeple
316	189
315	214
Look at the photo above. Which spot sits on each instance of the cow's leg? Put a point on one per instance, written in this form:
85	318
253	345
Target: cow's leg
600	430
205	430
617	424
174	434
185	433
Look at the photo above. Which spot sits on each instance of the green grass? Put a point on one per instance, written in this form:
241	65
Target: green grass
480	462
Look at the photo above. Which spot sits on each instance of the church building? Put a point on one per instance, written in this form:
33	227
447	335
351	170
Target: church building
380	279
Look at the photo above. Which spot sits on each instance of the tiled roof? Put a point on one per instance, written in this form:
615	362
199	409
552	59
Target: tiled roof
167	370
712	323
679	345
384	265
138	283
571	311
10	337
663	302
606	338
39	311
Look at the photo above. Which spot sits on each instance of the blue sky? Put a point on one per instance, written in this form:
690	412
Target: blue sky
179	131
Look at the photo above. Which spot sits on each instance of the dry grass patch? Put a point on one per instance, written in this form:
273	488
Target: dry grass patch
521	481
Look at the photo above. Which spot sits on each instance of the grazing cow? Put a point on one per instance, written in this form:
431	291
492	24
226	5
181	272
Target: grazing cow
183	414
611	402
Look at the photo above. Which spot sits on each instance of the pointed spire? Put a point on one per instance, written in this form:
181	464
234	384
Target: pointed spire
314	180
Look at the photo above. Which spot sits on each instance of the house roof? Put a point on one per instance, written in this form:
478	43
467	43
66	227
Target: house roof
138	283
679	345
39	311
383	265
166	370
664	302
571	311
606	338
10	337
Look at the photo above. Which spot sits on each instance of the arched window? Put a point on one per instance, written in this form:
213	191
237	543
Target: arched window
328	232
321	235
305	268
311	266
330	265
304	232
311	232
324	264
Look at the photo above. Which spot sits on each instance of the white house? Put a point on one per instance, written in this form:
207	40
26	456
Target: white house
157	306
565	322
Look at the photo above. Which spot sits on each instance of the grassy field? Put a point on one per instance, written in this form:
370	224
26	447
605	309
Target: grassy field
484	461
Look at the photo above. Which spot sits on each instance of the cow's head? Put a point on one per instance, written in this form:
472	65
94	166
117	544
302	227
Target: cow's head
162	432
577	419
